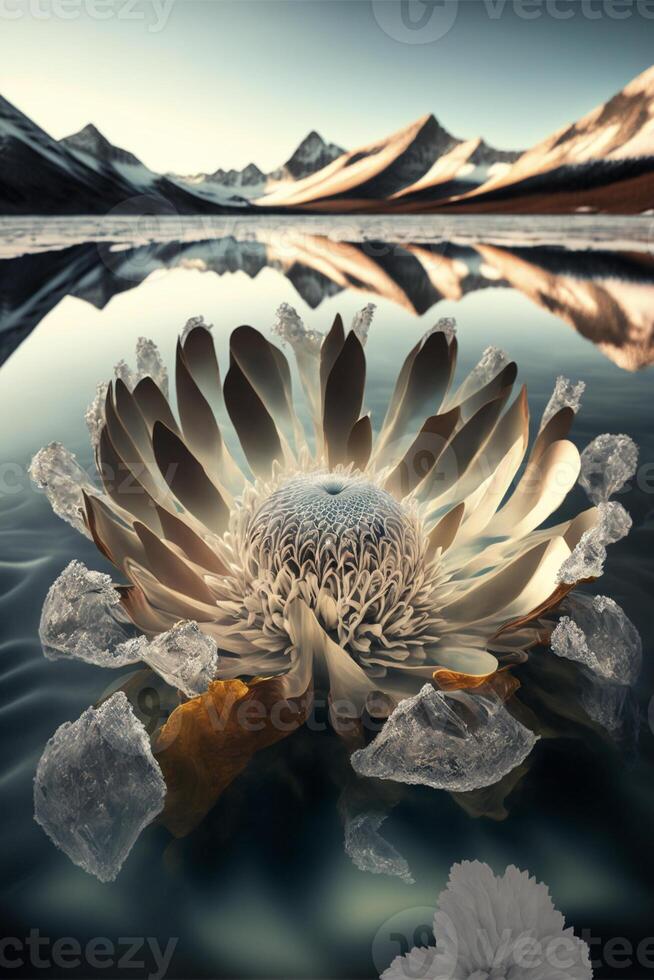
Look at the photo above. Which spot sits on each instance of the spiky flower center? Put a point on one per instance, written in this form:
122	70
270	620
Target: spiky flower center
347	548
329	521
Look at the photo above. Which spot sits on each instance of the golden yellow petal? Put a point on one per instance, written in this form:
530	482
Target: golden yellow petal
209	740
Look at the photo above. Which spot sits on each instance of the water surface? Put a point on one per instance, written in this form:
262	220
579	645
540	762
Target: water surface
264	888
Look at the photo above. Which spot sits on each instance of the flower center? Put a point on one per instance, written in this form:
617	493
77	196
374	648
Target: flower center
350	551
317	518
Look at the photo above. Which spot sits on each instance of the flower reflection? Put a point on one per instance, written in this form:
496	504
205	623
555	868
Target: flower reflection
491	928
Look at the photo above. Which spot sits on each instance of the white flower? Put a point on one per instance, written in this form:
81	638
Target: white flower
393	558
490	928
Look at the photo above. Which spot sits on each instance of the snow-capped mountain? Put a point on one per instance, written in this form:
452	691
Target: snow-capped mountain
228	186
250	175
312	154
467	165
40	176
371	172
91	141
604	161
91	147
81	174
620	129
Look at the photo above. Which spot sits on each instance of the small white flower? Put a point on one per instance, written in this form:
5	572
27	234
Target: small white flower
490	928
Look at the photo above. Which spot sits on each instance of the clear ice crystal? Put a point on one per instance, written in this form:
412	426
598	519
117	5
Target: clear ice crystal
368	850
362	320
446	325
95	414
493	360
191	324
55	470
588	557
607	463
457	742
97	786
289	326
149	364
566	394
183	656
81	619
597	633
613	707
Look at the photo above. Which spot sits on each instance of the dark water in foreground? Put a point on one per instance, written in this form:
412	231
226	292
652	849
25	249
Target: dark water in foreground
264	888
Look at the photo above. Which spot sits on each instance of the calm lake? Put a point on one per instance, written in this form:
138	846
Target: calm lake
264	887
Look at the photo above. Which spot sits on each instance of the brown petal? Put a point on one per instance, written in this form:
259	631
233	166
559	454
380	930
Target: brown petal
423	453
153	405
120	482
445	531
132	419
209	740
192	545
254	425
114	539
359	443
426	383
343	398
504	379
141	613
331	347
201	432
267	370
462	449
166	600
170	569
557	428
188	480
201	360
123	443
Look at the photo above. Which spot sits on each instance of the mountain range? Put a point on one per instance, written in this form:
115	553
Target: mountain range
603	162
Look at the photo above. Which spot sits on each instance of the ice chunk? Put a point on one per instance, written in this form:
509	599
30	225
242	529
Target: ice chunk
55	470
98	786
94	415
566	394
446	325
493	360
81	618
456	742
370	852
148	364
588	556
598	634
191	324
607	463
613	707
362	320
183	656
290	327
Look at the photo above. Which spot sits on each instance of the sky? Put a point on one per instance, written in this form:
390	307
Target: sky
193	85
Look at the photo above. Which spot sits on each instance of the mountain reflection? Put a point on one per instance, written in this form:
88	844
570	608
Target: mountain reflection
607	296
